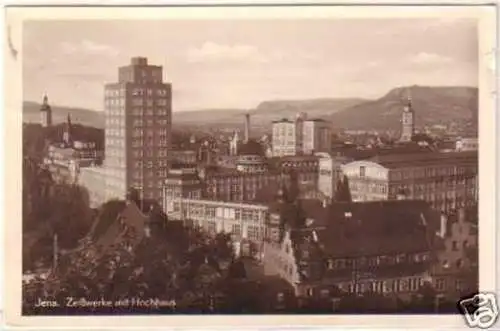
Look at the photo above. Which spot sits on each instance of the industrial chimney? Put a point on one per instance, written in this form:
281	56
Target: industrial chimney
247	127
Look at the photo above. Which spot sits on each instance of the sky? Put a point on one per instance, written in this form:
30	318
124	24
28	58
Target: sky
239	63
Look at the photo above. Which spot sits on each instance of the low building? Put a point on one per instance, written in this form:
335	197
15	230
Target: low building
467	144
64	159
246	222
304	166
184	157
181	183
384	247
231	185
447	181
330	172
456	270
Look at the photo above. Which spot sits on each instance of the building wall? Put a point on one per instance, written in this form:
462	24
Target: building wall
367	181
94	180
184	157
329	172
467	144
316	136
446	185
138	129
458	257
279	260
245	222
237	186
284	141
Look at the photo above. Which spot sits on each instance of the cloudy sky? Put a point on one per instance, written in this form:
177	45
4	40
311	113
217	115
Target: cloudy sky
237	64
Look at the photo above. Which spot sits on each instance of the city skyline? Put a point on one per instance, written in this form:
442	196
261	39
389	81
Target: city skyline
258	60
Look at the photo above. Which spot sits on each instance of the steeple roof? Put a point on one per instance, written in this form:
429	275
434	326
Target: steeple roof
45	103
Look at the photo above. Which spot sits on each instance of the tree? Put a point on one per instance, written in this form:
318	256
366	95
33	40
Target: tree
133	195
343	192
237	270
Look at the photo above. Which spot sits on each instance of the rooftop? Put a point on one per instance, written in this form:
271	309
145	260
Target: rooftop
415	159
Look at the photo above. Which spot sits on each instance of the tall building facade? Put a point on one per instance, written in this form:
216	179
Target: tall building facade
45	113
138	112
316	136
407	122
301	136
284	141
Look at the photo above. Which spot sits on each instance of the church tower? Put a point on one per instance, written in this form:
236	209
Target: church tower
234	144
46	113
67	139
407	122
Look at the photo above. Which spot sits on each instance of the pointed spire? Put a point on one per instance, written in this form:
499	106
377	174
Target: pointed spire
408	97
45	99
67	139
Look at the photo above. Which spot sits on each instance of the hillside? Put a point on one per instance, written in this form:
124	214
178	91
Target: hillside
31	114
433	105
263	115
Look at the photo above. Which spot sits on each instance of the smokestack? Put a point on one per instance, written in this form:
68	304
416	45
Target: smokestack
443	225
247	127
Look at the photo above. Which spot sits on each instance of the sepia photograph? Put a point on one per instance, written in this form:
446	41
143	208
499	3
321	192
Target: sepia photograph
251	164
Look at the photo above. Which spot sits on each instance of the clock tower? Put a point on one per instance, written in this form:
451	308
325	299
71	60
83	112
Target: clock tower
407	122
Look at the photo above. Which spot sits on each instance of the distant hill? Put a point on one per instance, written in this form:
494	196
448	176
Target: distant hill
265	112
31	114
433	105
263	115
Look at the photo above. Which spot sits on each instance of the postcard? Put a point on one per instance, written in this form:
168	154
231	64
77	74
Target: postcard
250	165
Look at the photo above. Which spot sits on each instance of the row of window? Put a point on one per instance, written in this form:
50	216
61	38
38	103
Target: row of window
112	142
150	122
157	111
149	164
376	261
138	142
435	171
148	183
411	284
149	102
112	132
138	91
159	131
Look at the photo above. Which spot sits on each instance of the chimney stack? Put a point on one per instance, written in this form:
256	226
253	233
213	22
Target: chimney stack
247	127
443	225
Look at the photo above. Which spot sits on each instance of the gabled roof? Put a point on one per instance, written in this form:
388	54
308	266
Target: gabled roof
366	229
376	228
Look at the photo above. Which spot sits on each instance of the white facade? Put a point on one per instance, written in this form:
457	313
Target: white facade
467	144
302	136
330	171
284	140
242	221
368	181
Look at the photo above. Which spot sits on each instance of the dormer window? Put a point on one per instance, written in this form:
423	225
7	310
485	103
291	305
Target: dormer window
348	214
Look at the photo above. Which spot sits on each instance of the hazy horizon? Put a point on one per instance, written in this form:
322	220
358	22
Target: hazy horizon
224	64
